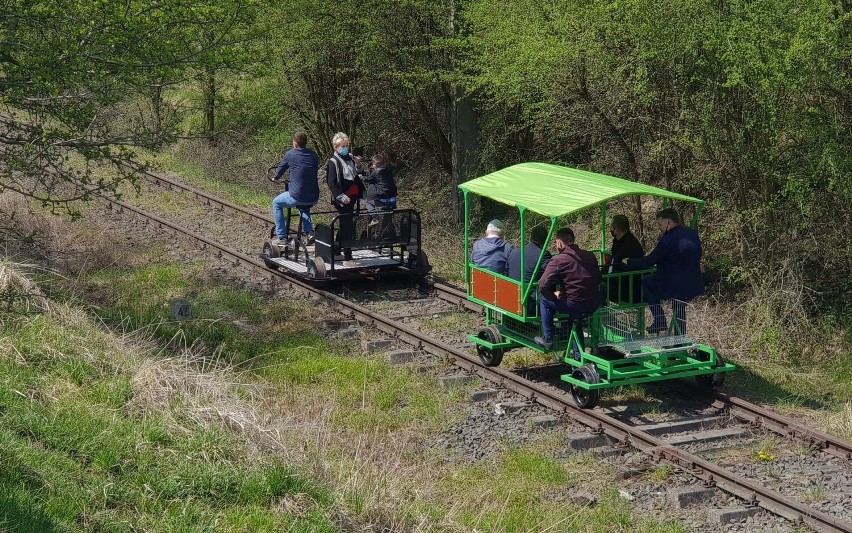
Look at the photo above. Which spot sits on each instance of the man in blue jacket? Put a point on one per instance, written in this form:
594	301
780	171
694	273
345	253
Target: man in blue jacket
678	277
532	251
492	252
303	191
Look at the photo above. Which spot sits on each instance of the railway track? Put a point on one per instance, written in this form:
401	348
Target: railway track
656	444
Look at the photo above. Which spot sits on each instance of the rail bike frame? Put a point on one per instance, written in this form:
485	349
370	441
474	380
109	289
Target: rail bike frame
607	348
391	244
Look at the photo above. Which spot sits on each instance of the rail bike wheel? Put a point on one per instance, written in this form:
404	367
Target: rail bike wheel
270	250
490	356
316	268
713	381
586	398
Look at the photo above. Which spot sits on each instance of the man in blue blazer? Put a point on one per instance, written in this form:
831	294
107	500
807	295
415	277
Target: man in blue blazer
678	277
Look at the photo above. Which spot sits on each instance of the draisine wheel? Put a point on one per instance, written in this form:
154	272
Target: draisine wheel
316	268
713	381
490	356
586	398
270	250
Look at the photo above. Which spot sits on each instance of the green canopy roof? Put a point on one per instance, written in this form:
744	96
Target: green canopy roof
554	190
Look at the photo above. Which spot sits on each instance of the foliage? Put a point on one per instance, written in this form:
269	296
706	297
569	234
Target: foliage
742	103
65	68
375	70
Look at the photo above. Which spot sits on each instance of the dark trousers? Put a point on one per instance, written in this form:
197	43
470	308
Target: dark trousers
652	296
346	226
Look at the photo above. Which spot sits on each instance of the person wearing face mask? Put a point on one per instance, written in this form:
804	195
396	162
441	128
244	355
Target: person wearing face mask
625	246
345	186
678	277
574	272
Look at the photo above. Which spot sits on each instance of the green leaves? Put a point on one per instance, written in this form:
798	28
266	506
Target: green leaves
67	68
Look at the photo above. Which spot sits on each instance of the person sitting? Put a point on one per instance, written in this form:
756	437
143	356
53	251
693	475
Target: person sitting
532	251
492	252
678	277
625	245
381	188
575	272
303	191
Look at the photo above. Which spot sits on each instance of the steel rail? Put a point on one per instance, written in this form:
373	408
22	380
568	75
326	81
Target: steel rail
783	425
713	475
444	291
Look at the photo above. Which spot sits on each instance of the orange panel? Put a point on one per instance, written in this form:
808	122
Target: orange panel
508	295
482	285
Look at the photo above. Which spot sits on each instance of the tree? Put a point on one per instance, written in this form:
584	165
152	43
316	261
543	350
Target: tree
65	69
742	103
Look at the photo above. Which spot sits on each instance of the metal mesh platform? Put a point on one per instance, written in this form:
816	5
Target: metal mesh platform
360	259
659	344
623	329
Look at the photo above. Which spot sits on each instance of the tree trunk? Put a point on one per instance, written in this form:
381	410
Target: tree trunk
210	104
157	107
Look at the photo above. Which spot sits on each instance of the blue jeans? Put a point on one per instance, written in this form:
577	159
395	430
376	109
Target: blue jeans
283	201
383	204
548	308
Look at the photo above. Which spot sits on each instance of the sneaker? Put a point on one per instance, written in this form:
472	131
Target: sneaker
375	222
279	241
544	343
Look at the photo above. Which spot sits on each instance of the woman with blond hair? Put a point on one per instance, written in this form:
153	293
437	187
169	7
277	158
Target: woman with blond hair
345	186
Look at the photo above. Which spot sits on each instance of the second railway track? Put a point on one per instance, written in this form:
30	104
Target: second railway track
603	423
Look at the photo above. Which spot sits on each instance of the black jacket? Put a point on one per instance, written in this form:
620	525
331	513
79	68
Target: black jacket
628	246
532	251
334	176
380	184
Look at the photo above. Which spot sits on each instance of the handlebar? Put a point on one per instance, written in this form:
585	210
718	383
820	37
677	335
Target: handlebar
270	175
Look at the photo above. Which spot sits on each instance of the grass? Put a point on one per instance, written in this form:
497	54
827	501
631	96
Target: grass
241	419
74	456
526	490
258	197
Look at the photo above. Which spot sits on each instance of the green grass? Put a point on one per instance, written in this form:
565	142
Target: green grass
526	490
73	457
234	322
258	198
368	393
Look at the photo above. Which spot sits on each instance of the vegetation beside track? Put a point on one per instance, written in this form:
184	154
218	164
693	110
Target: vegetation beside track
242	418
766	336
